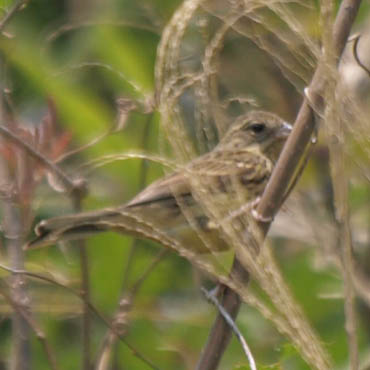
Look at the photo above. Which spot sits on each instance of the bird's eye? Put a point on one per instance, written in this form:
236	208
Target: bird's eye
257	128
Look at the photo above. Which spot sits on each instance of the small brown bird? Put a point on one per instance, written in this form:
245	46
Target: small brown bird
234	173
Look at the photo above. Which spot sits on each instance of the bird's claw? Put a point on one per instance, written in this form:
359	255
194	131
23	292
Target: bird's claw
256	215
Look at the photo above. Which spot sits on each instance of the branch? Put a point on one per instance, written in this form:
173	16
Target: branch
33	325
119	321
285	168
72	186
304	125
85	292
19	5
127	295
92	308
220	334
13	227
212	298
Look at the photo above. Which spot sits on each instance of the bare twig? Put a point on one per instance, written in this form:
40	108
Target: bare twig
126	298
72	186
290	157
77	190
18	5
115	129
33	325
13	227
212	298
340	188
125	303
142	183
220	334
139	282
85	290
81	25
92	308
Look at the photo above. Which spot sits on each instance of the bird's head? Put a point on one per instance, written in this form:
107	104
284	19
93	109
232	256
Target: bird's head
258	130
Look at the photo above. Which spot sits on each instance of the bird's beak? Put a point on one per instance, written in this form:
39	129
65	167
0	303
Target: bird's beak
284	130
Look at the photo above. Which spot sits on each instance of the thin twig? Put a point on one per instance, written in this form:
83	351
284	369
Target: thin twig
342	220
125	303
92	308
80	25
77	190
85	292
33	325
142	183
80	149
19	5
139	282
212	298
13	227
110	338
114	129
220	334
70	185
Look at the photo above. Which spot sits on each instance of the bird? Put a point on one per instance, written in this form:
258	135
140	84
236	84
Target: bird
235	172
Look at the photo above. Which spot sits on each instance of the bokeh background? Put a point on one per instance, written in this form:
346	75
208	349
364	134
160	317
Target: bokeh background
78	83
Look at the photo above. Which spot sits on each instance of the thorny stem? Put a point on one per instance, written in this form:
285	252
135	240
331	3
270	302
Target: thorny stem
290	157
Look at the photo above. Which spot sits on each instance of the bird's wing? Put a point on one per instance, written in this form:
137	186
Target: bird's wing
216	167
162	190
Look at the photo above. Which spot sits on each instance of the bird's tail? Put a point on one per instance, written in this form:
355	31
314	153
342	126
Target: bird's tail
82	225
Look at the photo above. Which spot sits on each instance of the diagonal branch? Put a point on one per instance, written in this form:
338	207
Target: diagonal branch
71	186
284	171
91	307
18	6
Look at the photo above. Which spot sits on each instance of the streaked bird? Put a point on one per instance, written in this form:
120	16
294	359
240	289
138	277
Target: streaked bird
235	172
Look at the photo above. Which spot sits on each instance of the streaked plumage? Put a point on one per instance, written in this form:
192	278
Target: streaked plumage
238	168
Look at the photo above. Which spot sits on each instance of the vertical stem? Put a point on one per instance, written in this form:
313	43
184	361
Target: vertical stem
220	333
21	354
12	225
85	293
142	182
110	338
340	187
13	229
